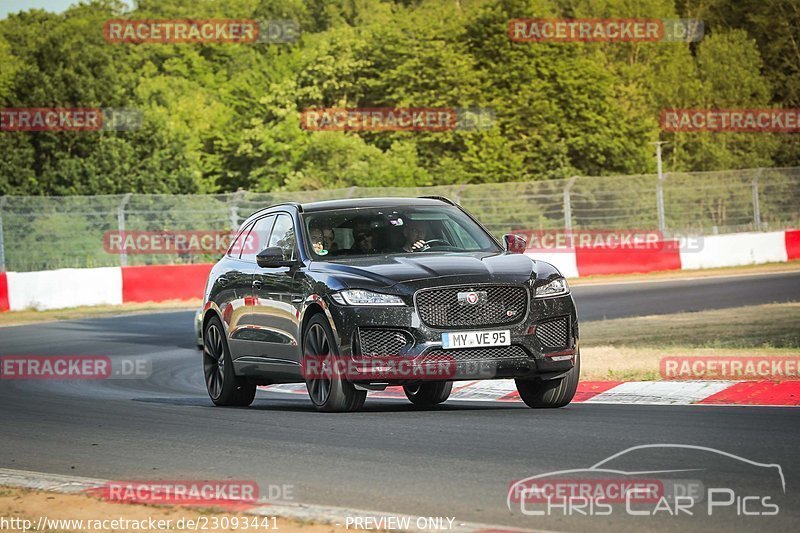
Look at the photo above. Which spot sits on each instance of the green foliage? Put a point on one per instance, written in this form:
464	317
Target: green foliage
220	117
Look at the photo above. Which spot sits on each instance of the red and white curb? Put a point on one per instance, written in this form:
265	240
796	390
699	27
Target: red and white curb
767	393
336	516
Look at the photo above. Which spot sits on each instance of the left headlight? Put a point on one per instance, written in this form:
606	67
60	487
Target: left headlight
362	297
557	287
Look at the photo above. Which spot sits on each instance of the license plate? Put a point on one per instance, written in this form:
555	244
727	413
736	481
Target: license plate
476	339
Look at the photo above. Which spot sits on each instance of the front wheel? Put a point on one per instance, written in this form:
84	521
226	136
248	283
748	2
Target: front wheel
540	393
425	394
328	389
224	388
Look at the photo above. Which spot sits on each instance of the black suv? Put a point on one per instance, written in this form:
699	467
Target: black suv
356	295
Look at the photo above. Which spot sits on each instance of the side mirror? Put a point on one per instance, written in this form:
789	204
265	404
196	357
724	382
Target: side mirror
514	243
273	257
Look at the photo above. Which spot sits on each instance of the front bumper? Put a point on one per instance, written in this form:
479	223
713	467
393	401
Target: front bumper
422	356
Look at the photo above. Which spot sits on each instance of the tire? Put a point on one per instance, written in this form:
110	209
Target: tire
224	388
427	394
539	393
334	394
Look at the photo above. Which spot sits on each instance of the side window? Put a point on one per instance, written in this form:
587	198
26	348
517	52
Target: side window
238	245
283	236
258	238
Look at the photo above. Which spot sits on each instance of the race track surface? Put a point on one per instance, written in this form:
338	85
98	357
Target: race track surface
456	460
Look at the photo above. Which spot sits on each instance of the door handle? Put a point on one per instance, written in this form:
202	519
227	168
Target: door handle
256	284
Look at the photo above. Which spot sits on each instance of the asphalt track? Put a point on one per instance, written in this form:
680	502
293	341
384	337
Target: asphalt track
456	460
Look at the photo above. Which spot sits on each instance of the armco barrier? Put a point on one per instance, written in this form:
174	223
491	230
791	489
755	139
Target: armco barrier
164	282
3	292
115	285
591	261
66	287
564	261
792	243
737	249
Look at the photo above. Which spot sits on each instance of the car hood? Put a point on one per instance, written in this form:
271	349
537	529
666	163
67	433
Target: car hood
429	269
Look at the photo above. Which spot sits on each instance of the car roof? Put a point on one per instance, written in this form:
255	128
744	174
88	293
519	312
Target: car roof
352	203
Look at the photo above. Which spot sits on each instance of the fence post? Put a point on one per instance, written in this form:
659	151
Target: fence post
756	205
2	240
123	256
662	219
234	213
568	204
458	191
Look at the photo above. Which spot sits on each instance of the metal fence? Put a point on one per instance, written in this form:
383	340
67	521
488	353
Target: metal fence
39	233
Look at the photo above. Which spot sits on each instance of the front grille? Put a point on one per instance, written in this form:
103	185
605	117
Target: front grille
553	333
382	341
440	308
475	354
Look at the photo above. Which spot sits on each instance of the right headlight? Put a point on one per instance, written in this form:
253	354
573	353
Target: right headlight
557	287
362	297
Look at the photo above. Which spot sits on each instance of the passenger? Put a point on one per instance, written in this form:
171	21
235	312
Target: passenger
364	242
322	237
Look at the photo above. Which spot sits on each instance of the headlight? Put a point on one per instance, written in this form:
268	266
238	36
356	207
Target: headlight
557	287
362	297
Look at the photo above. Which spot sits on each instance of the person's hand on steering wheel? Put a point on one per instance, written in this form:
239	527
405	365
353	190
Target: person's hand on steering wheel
422	246
419	246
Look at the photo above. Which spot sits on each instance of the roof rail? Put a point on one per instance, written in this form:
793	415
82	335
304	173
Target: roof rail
442	198
298	205
293	204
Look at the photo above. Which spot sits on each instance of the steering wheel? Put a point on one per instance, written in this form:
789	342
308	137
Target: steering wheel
427	244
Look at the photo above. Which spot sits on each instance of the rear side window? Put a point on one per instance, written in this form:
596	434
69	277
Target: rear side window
235	250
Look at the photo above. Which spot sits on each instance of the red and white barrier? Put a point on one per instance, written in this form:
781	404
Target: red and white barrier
3	292
56	289
69	287
736	249
164	282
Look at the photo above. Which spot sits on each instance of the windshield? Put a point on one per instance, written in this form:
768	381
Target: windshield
393	230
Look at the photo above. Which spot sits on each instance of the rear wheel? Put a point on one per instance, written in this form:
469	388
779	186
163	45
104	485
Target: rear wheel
328	389
540	393
224	388
433	393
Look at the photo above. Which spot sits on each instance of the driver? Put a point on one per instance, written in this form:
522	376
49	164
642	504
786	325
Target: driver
415	233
